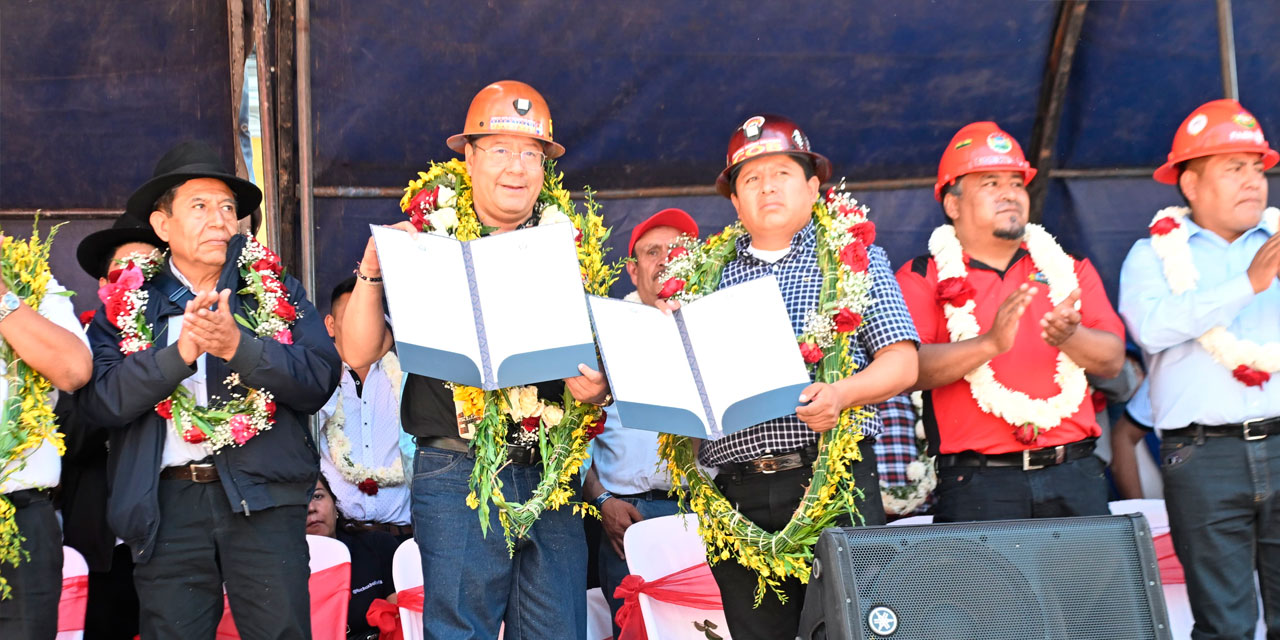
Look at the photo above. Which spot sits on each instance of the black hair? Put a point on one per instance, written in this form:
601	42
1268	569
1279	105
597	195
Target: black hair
954	189
341	289
805	162
165	201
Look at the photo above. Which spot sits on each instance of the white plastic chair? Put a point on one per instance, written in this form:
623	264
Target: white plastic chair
599	619
73	567
406	572
658	547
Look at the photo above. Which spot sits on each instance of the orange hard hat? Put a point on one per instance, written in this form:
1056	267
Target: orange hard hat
980	146
508	107
1220	126
764	135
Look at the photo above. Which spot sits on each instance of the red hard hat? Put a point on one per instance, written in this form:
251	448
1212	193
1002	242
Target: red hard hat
508	107
764	135
1220	126
980	146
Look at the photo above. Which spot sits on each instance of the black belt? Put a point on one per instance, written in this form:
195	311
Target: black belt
26	497
1248	430
1029	460
198	472
515	453
773	463
387	527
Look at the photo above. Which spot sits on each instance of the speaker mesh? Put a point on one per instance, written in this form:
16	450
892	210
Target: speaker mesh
1061	579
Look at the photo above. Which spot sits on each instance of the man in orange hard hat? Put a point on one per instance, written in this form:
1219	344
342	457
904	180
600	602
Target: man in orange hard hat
1009	325
472	582
1201	299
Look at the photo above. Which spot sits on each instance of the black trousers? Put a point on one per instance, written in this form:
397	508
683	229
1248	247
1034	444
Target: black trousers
968	494
202	544
112	610
32	612
769	500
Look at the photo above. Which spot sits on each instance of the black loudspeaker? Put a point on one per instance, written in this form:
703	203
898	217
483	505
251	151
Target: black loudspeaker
1091	578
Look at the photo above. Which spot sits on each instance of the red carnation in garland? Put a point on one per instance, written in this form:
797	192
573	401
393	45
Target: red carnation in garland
1163	226
847	320
285	310
595	427
865	232
955	291
115	304
1250	376
194	435
531	423
671	287
368	486
810	352
87	317
165	409
423	202
855	255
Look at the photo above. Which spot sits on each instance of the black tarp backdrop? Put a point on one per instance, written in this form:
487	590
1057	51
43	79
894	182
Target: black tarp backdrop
92	93
644	94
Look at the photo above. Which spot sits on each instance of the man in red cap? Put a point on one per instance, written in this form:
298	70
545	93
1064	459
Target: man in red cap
625	482
1201	299
772	177
1010	324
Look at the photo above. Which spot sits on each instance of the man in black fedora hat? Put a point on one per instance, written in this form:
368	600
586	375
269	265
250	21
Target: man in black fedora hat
212	463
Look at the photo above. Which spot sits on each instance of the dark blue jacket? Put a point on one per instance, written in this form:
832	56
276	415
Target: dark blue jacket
277	467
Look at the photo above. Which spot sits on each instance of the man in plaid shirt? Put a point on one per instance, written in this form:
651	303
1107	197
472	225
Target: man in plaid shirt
773	179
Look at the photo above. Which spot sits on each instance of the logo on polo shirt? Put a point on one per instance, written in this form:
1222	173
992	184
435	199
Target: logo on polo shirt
1038	277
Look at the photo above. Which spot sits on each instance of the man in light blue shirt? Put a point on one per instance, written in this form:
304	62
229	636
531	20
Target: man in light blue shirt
1192	294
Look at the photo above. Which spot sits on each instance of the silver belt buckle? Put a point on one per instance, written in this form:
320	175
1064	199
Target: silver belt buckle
767	464
1248	433
1026	461
1059	456
194	468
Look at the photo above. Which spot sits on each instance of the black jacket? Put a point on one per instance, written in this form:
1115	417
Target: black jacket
277	467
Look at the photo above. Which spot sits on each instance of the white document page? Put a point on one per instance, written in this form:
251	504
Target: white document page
533	304
648	368
745	348
429	300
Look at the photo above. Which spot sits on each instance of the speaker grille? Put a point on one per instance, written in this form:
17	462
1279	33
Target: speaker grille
1068	579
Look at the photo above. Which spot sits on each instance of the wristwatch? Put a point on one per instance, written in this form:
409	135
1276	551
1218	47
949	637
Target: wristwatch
8	304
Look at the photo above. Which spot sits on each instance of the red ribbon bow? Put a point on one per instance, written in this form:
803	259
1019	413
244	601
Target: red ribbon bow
693	587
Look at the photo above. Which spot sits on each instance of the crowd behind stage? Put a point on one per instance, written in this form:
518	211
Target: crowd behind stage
1000	381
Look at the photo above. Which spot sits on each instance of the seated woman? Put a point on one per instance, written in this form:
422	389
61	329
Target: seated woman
371	555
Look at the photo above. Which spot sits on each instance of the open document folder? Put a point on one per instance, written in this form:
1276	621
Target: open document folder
500	311
718	365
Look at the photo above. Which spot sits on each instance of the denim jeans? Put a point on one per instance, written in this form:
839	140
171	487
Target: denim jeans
1224	516
612	567
471	583
1076	488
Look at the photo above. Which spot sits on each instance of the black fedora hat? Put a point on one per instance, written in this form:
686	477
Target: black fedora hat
97	247
184	162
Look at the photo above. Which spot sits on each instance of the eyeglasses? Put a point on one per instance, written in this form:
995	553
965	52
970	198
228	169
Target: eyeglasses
528	157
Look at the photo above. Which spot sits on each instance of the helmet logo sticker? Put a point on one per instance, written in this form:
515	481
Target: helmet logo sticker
522	105
999	143
1246	136
753	127
799	139
1245	120
518	125
964	143
756	148
1197	124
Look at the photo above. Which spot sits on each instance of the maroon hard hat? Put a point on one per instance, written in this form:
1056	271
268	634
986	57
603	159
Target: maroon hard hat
764	135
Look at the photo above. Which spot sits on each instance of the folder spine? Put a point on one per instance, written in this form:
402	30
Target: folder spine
712	424
486	365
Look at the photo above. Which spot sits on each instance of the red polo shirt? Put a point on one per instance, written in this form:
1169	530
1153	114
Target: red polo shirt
953	420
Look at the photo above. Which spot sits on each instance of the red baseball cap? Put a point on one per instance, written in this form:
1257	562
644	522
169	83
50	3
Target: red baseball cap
677	218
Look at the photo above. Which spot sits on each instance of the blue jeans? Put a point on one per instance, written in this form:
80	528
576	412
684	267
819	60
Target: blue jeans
1224	515
471	584
612	567
968	494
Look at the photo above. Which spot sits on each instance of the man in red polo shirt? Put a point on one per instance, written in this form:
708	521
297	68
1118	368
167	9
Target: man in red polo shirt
1009	325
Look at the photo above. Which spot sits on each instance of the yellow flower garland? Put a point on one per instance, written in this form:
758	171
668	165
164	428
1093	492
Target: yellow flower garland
563	446
24	266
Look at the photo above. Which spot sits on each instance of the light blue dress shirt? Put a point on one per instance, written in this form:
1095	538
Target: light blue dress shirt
1186	384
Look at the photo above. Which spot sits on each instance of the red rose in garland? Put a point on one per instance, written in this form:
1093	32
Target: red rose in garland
671	287
855	256
847	320
865	232
1250	376
1163	226
368	486
810	352
955	291
285	310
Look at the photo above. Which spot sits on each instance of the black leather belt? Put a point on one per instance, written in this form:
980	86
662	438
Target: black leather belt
515	453
773	463
1248	430
1029	460
198	472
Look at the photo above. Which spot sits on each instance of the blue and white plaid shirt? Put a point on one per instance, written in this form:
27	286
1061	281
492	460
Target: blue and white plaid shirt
800	280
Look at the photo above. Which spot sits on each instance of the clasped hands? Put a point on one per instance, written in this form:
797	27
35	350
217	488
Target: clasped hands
208	330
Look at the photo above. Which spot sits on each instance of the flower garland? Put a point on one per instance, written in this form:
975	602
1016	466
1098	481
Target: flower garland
26	417
844	234
1030	416
366	479
922	473
248	412
1249	362
440	201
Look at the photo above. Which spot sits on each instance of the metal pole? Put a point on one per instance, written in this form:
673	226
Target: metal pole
1227	49
306	213
266	115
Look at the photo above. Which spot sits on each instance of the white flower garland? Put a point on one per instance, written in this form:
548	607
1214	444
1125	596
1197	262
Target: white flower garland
1170	240
1014	407
340	446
